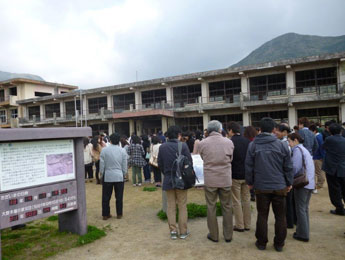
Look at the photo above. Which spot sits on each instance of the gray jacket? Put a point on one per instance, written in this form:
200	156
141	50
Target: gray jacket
268	164
113	163
310	142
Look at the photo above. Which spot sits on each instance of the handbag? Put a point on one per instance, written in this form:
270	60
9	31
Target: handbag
153	160
301	179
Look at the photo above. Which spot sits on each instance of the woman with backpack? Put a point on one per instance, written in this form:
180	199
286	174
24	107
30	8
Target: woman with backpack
136	159
154	150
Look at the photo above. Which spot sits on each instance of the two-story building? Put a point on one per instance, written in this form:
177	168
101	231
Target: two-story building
20	89
312	87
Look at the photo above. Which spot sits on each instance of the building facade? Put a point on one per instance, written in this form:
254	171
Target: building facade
310	87
14	90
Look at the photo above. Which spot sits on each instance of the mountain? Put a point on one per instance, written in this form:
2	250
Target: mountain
7	75
293	45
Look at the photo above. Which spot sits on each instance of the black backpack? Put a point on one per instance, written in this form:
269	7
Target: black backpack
182	172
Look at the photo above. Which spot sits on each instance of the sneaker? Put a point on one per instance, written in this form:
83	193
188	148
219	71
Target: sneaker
184	236
139	184
173	235
315	191
134	185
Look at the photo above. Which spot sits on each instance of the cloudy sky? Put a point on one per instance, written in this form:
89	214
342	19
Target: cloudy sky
93	43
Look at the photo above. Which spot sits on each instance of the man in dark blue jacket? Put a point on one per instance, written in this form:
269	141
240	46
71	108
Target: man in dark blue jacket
269	169
310	142
166	157
334	166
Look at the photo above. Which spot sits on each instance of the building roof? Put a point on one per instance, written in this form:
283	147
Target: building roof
37	82
193	76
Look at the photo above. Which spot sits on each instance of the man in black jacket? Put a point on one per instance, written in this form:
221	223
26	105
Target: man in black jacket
334	166
269	169
240	190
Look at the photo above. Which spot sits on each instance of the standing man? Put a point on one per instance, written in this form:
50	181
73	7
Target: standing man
217	152
240	191
113	168
310	142
269	169
334	166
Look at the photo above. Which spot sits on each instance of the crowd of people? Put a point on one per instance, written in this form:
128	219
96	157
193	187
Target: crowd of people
240	164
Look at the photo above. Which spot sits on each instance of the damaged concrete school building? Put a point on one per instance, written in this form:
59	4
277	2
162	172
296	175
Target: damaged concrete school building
310	87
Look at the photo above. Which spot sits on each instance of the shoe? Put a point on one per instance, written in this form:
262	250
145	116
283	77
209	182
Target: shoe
260	247
278	248
300	238
335	212
134	185
90	180
315	191
184	236
246	229
228	240
107	217
252	199
119	216
238	229
210	238
173	235
98	182
139	184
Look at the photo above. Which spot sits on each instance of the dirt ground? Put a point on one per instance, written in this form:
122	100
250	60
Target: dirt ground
141	235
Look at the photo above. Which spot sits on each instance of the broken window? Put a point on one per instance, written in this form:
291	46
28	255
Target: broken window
3	116
190	123
277	116
153	98
123	102
267	86
34	111
320	115
186	95
51	109
321	81
225	119
228	90
95	104
70	108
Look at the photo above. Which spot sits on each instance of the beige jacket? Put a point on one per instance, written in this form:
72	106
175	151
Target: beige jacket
217	151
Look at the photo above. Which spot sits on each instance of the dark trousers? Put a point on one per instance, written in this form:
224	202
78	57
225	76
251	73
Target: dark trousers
336	190
107	191
147	172
97	170
263	201
157	174
88	171
290	210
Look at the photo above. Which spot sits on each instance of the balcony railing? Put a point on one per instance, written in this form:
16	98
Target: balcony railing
10	99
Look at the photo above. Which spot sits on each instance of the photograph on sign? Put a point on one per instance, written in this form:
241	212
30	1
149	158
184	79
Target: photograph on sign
26	164
198	166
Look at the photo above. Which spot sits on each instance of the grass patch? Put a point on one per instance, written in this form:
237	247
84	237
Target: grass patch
149	189
41	239
53	218
93	233
194	211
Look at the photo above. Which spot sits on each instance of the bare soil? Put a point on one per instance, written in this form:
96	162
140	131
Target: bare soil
141	235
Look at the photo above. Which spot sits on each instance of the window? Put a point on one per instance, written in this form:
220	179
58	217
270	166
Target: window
321	81
190	123
267	86
320	115
153	98
225	90
186	95
14	113
63	92
42	94
2	95
2	116
51	109
225	119
99	128
34	111
277	116
95	104
122	102
13	91
70	108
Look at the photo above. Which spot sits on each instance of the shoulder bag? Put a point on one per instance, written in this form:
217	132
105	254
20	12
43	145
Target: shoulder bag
301	179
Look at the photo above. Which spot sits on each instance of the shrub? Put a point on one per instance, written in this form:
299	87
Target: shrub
149	189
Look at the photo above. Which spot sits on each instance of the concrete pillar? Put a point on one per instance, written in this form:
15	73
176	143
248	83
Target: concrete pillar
171	121
342	112
138	104
170	96
131	127
245	118
244	86
85	106
110	102
42	111
62	109
205	92
342	75
139	127
290	82
110	127
206	119
292	114
164	124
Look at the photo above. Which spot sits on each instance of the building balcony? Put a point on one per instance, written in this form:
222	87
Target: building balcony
8	101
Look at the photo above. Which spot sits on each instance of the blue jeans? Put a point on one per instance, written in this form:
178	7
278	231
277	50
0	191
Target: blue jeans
302	197
147	172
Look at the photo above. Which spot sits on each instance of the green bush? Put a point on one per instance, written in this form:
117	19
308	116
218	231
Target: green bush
194	211
149	189
92	234
53	218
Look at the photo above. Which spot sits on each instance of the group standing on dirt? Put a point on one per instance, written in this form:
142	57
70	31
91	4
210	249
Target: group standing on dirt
270	165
